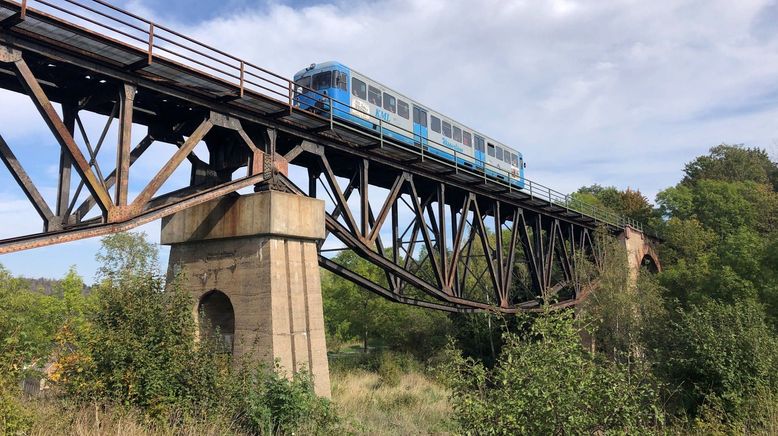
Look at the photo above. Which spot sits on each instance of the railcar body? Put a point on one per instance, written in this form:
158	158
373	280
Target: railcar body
362	101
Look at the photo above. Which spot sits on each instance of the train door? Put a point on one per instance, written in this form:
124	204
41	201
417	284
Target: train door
420	126
480	156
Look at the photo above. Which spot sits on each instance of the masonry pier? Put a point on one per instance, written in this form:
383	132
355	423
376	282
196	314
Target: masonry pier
251	264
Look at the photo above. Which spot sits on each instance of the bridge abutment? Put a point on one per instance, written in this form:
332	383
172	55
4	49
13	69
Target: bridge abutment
639	252
259	253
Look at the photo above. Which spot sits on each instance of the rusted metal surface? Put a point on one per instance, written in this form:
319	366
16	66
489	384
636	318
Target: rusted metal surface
447	256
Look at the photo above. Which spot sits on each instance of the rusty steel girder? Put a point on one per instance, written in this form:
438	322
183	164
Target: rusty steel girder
438	235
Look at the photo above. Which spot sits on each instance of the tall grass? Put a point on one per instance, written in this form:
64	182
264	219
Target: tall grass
415	405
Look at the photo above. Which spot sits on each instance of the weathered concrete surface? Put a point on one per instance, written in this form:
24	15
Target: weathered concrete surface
260	250
638	250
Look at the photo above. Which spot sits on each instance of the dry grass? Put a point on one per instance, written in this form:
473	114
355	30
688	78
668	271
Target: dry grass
50	418
417	405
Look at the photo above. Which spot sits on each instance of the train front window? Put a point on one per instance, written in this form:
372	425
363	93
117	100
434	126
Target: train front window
467	139
322	80
446	129
403	109
457	134
303	81
341	81
490	149
374	96
479	144
358	88
514	159
390	103
435	123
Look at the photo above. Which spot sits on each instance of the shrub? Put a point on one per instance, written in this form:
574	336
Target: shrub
389	370
722	355
545	383
275	404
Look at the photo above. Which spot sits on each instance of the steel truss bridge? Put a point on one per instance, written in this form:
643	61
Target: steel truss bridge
436	234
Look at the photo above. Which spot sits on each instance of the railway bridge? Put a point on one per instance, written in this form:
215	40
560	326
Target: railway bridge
273	190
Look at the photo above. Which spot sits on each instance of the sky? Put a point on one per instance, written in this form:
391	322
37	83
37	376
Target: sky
620	93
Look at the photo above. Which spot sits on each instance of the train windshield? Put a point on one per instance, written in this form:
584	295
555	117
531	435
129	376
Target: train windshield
303	81
322	80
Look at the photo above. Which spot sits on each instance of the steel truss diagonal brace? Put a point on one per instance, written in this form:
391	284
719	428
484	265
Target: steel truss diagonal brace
27	186
62	134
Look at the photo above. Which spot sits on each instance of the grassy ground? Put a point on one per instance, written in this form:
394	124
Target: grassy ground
417	405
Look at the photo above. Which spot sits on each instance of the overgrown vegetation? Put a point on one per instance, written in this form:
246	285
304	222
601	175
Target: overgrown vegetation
690	350
130	346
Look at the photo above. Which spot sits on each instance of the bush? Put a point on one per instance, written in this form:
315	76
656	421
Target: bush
722	356
14	418
275	404
545	383
389	370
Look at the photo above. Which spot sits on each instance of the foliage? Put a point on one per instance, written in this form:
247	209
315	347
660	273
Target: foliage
545	383
722	355
353	313
733	163
28	321
275	404
630	203
126	254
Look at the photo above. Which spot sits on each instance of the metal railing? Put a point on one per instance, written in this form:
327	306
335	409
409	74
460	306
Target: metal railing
159	42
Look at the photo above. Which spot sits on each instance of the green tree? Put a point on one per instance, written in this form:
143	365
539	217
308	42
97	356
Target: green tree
126	254
733	163
352	312
723	353
545	383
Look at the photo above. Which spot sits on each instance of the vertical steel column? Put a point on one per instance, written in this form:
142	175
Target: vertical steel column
69	111
127	100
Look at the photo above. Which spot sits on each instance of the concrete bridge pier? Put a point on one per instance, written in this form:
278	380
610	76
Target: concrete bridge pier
251	264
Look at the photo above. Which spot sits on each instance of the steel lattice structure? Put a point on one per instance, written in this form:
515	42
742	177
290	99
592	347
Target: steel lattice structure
442	236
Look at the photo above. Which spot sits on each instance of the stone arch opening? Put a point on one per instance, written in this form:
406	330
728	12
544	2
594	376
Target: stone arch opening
650	264
217	318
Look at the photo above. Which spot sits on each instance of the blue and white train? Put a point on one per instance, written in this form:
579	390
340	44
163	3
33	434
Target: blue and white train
362	101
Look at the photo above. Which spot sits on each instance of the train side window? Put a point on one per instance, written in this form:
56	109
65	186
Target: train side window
479	144
446	129
457	134
490	149
322	80
514	160
467	139
374	96
435	123
390	103
358	88
341	81
507	157
420	116
403	109
499	153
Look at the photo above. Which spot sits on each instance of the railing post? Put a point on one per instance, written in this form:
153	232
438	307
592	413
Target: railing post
332	110
242	69
291	94
23	12
151	43
381	132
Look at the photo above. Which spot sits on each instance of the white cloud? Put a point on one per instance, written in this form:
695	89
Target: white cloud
621	92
